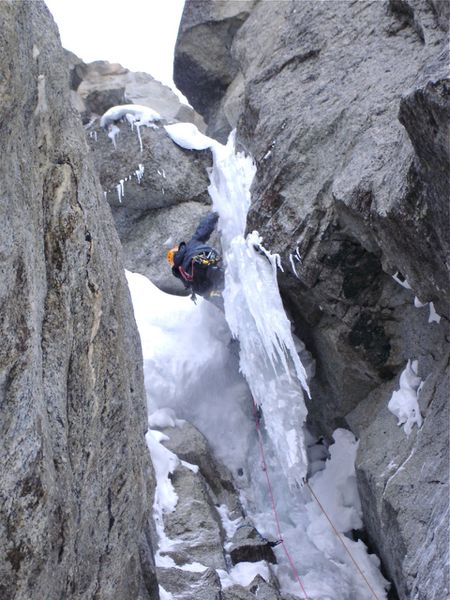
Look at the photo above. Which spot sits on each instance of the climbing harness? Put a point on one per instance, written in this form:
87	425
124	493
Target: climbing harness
204	259
258	415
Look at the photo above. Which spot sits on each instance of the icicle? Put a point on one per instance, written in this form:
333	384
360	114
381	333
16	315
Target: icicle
138	131
291	260
139	172
113	133
120	190
255	314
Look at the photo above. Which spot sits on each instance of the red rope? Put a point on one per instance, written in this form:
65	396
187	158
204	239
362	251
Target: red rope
277	520
274	507
186	276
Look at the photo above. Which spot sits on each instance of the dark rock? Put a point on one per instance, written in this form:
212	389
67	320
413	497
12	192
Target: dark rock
247	545
403	482
425	113
99	101
204	66
76	479
258	588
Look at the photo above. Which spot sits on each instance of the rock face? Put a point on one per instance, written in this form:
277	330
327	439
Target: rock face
99	85
160	208
164	188
345	108
207	506
76	479
204	66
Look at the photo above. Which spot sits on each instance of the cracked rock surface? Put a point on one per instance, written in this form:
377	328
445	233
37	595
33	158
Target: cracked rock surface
76	479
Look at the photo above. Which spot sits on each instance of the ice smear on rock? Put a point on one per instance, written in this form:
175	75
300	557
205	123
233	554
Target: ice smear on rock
137	116
143	114
403	403
434	317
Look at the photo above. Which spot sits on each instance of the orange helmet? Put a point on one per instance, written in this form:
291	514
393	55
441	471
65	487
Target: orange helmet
170	255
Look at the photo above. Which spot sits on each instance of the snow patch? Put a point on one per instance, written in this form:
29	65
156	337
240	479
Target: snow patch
418	303
434	317
244	573
404	402
164	462
133	112
336	487
164	417
230	526
136	115
163	595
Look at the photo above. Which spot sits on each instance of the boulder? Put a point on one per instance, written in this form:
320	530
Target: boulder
195	523
204	66
190	445
185	584
99	85
77	482
204	498
258	588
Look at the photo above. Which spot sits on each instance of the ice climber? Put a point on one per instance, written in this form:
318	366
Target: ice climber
197	264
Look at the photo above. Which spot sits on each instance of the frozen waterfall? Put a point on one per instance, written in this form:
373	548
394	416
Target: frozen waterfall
191	366
255	314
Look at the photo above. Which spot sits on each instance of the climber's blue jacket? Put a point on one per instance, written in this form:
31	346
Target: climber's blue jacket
191	263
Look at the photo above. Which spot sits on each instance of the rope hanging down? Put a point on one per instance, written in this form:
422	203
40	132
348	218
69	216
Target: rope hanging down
342	541
277	520
274	507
